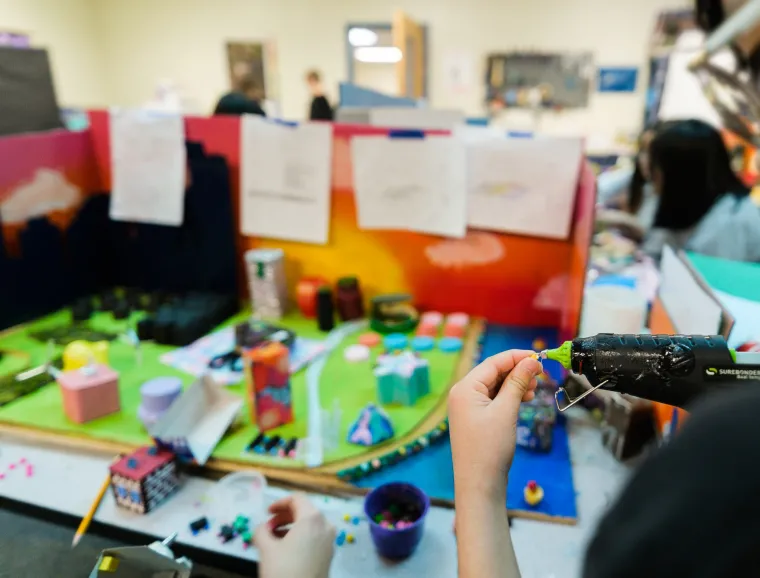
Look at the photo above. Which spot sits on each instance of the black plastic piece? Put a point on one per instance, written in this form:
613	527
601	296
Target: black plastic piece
145	328
81	310
325	309
198	525
254	442
122	309
108	301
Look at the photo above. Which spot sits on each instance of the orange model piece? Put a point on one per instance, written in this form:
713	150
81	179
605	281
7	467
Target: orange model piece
267	370
306	295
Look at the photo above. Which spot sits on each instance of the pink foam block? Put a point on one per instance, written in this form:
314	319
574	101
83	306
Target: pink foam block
88	395
12	467
29	471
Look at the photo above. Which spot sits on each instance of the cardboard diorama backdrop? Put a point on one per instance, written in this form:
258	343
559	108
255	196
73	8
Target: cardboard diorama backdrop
60	243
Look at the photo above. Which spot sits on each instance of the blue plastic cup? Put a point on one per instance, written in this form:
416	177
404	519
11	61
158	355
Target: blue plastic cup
393	543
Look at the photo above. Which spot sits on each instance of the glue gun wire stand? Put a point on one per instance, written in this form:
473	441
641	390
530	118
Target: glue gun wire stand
670	369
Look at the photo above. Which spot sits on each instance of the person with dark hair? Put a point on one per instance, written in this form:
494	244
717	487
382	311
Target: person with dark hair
701	201
243	100
320	108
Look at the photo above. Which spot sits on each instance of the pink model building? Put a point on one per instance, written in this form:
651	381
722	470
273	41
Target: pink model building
144	479
89	392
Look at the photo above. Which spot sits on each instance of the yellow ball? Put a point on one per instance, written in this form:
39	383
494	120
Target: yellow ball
350	538
79	353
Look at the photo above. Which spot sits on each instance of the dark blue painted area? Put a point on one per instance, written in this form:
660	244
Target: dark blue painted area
432	472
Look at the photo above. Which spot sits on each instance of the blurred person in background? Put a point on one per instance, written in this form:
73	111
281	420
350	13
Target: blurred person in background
320	108
244	99
702	205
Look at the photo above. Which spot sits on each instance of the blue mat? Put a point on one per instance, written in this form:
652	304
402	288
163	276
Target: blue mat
432	472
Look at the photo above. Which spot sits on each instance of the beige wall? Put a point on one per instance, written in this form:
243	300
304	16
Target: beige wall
184	40
67	29
115	51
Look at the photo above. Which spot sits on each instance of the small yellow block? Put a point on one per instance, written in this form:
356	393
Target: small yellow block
108	564
347	518
350	538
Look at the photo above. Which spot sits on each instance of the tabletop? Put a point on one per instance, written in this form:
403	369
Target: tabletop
66	481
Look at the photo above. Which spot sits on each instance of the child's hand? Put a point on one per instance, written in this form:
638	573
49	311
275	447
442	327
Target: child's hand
483	409
304	550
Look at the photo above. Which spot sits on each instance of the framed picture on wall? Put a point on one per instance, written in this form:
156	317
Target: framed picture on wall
668	27
258	60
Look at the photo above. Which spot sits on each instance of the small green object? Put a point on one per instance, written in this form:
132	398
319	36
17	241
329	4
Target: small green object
379	518
247	538
260	271
561	354
240	524
733	354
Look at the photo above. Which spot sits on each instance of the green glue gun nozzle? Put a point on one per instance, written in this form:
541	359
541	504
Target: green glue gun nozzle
561	354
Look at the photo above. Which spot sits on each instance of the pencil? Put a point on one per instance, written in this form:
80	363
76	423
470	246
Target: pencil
91	513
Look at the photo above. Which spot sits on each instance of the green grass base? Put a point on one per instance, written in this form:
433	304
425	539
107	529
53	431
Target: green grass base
352	384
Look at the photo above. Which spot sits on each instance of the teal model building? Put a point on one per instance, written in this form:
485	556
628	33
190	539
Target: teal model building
402	378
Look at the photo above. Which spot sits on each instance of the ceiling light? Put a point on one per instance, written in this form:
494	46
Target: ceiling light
378	54
361	37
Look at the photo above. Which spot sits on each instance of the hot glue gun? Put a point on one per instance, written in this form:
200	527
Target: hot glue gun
670	369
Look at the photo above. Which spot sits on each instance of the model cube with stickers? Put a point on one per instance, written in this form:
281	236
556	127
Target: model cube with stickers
144	479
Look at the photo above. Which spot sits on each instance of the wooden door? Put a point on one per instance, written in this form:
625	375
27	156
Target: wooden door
409	37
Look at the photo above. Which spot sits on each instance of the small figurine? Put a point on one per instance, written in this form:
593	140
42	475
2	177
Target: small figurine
373	426
533	493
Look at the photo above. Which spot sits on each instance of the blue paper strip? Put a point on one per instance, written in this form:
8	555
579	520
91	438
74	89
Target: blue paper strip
406	133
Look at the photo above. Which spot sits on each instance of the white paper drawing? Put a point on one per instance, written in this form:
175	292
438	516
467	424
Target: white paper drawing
285	180
524	186
414	184
148	167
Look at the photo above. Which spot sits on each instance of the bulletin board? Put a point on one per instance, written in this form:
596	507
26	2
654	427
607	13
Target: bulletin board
562	80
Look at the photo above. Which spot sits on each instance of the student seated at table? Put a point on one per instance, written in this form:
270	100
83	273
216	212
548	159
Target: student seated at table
702	205
626	194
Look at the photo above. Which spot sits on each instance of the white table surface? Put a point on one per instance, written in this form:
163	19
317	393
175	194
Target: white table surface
67	481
